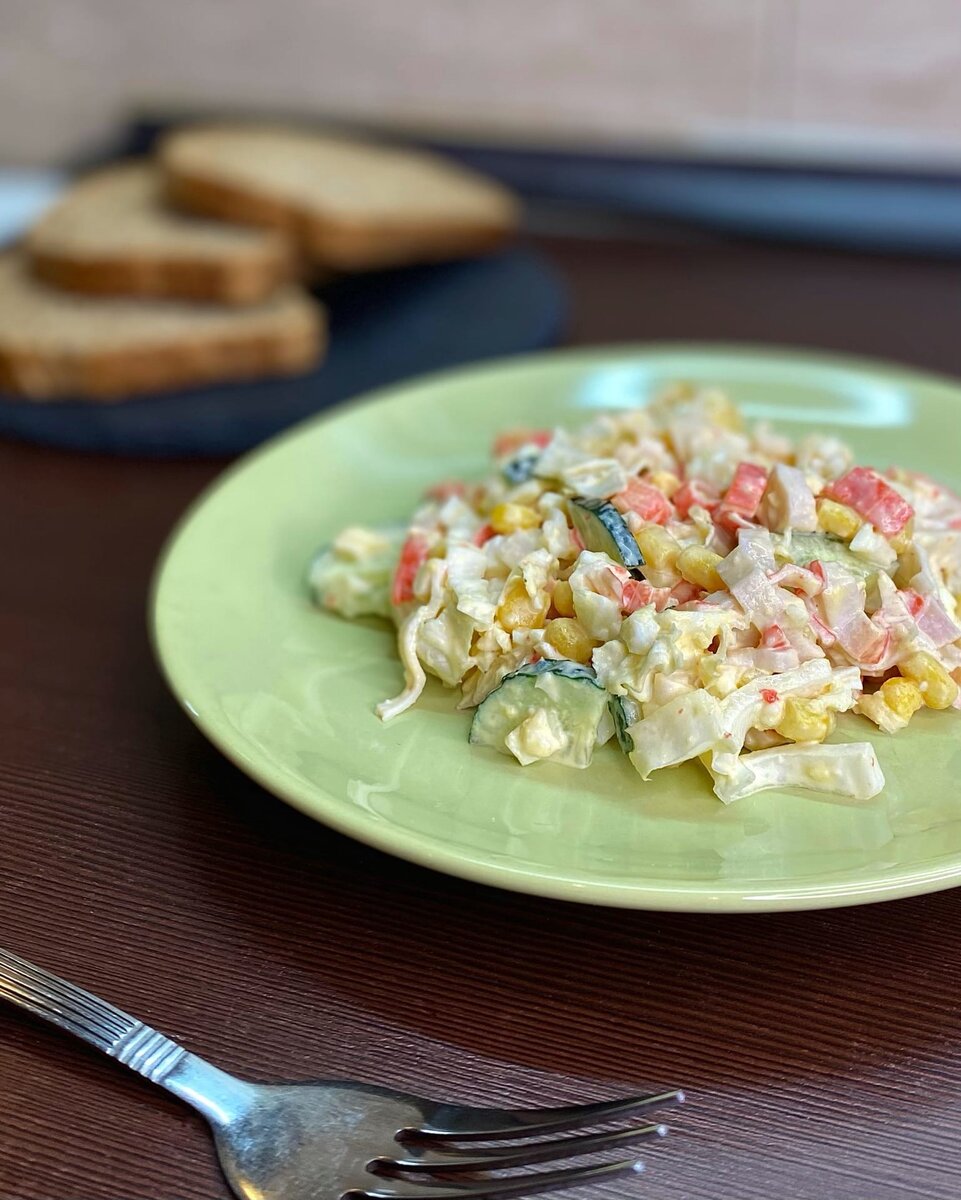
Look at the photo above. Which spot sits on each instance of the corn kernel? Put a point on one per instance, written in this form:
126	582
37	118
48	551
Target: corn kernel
722	410
838	519
802	722
569	638
665	481
660	550
517	610
563	599
718	677
698	565
901	541
762	739
677	393
938	689
508	518
902	696
873	706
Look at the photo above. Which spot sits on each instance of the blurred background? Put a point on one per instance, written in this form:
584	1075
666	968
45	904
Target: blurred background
689	137
644	88
870	81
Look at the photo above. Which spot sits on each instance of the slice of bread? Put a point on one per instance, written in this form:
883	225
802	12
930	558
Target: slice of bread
112	234
54	344
350	205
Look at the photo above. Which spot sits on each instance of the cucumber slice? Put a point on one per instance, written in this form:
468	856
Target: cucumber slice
625	712
563	697
803	548
521	467
359	585
603	530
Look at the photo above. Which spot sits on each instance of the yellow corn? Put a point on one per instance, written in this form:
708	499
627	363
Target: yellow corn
569	638
802	722
722	410
677	393
838	519
660	550
563	599
517	610
902	696
698	565
665	481
938	689
901	541
719	678
508	518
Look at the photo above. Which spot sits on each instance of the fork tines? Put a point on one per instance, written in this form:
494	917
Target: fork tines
449	1121
429	1158
517	1185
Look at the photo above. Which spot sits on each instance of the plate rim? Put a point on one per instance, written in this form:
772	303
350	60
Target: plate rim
329	810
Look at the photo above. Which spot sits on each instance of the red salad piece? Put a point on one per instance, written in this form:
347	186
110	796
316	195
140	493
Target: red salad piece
512	439
742	498
935	623
413	555
684	592
867	646
824	635
445	490
695	491
816	567
483	535
647	501
773	638
637	593
610	582
769	696
868	493
746	490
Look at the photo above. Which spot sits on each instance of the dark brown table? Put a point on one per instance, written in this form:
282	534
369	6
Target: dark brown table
821	1051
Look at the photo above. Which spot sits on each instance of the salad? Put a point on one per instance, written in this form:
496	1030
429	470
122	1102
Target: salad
675	583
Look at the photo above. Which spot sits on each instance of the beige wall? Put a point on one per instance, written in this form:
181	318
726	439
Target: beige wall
835	72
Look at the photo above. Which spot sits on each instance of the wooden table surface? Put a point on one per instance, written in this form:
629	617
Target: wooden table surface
821	1051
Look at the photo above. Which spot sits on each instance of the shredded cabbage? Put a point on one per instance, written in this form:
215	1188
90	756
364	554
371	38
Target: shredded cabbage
781	586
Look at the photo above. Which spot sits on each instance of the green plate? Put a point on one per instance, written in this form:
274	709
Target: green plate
288	692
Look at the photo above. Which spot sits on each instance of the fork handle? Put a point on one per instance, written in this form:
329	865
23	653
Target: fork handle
153	1055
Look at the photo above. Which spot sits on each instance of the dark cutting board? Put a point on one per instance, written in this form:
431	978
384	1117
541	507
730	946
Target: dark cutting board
384	327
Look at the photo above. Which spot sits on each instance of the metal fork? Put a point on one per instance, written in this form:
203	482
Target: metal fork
339	1140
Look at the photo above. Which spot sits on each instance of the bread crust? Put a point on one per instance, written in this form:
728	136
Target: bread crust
244	281
114	375
327	240
243	271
